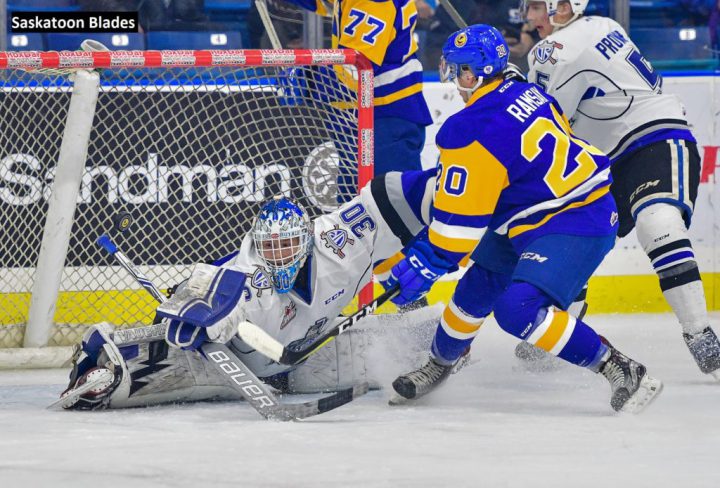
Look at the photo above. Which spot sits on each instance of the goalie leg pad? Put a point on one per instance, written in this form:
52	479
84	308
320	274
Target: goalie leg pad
159	374
340	364
140	375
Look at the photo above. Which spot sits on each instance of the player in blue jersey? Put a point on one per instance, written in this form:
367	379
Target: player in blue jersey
383	31
531	204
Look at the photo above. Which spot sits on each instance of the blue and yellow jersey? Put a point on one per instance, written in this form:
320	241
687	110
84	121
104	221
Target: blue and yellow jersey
383	31
509	163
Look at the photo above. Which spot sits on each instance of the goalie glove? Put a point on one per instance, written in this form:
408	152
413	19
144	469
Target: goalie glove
190	337
207	309
186	336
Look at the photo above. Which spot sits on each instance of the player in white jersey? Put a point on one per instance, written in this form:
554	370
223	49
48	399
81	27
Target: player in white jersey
293	277
613	98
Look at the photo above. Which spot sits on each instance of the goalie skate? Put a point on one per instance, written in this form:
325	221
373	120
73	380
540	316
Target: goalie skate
96	371
705	349
632	388
92	387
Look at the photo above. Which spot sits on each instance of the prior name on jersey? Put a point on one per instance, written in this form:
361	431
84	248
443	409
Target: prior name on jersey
510	164
609	91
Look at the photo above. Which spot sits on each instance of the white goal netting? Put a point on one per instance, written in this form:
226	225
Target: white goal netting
187	142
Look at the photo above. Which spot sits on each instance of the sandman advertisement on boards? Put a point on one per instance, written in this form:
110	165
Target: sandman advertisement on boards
192	180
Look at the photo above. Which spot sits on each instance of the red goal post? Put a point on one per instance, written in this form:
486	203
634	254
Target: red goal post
188	142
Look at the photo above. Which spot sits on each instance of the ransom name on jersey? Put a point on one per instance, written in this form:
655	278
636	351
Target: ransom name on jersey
21	181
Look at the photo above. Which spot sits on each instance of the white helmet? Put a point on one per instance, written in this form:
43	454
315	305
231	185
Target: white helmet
578	8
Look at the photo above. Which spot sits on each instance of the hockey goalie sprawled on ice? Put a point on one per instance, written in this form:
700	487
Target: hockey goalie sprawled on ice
292	277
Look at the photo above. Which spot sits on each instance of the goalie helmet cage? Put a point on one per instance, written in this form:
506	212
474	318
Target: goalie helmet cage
188	142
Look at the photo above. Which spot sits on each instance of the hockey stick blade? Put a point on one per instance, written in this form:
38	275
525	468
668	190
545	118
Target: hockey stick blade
258	394
267	345
299	411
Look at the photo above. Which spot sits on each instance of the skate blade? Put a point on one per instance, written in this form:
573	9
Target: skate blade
463	362
715	374
649	389
71	397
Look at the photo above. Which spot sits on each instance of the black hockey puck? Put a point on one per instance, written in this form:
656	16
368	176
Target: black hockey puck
122	221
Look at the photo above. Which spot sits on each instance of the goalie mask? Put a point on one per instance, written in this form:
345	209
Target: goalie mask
282	233
479	48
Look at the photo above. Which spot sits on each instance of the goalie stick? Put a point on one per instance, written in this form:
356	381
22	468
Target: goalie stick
237	374
267	345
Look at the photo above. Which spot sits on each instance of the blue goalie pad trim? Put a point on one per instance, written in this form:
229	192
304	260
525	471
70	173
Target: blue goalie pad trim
209	296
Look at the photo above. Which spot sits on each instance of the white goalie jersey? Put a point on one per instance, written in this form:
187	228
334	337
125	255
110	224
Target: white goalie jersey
347	244
611	94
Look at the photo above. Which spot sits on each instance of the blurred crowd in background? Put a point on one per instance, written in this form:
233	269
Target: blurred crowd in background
433	24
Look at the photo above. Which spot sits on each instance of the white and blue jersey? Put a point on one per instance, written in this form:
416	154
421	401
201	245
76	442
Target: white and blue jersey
609	91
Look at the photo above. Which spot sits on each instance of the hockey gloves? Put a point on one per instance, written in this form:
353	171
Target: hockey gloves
417	272
185	335
206	309
190	337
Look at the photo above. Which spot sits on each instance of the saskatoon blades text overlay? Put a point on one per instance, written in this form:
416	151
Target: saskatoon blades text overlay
69	22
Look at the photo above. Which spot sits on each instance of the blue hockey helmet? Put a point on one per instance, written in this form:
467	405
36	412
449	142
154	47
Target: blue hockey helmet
282	232
480	48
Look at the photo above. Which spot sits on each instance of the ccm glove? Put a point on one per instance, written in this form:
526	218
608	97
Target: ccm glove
417	272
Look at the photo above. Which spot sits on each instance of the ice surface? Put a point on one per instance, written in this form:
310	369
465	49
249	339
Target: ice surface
494	424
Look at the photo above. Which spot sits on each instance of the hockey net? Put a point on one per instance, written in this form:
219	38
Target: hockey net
187	142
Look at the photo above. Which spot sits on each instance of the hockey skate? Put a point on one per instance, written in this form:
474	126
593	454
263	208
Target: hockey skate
423	380
705	349
96	372
632	388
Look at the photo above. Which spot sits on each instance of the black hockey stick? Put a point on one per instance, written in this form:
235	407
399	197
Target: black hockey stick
267	345
453	13
238	375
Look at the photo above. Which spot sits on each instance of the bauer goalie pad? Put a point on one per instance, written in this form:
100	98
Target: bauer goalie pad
340	364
